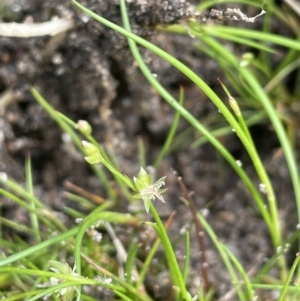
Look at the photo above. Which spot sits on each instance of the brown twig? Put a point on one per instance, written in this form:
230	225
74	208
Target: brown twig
199	234
169	220
82	192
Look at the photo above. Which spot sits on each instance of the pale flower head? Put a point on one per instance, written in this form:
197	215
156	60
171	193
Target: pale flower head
66	293
148	191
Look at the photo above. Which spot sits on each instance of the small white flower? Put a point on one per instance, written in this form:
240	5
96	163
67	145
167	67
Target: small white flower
153	191
148	191
66	293
3	177
92	232
262	188
104	279
84	127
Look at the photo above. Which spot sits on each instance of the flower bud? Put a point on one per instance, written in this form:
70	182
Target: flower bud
84	127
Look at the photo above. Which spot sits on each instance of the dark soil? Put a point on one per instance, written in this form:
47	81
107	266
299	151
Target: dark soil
88	73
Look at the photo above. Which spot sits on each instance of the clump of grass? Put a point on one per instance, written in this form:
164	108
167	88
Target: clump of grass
24	273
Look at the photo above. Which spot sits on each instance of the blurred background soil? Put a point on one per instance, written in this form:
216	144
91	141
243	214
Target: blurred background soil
88	73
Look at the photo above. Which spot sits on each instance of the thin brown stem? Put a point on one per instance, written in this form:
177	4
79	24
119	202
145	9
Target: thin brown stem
170	220
82	192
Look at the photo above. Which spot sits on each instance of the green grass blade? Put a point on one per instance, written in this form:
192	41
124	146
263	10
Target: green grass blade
171	134
176	274
289	278
89	221
29	185
65	126
187	255
147	263
40	246
251	34
224	253
130	261
46	217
